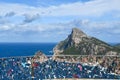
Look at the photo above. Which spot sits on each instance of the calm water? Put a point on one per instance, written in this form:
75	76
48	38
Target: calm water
24	49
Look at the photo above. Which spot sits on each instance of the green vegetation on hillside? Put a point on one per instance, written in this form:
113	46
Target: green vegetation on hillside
85	45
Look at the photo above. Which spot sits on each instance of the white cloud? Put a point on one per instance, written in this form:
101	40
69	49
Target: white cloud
5	27
91	8
60	31
95	8
30	18
60	28
10	14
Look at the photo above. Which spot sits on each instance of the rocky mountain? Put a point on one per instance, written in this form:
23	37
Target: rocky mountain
78	43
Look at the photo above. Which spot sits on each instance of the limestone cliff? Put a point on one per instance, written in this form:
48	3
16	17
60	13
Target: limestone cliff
79	43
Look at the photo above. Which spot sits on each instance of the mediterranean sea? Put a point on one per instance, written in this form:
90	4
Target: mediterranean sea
25	49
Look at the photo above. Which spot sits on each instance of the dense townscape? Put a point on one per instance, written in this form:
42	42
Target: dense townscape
28	68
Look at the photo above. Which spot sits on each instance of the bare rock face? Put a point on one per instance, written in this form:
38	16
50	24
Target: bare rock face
73	39
77	35
41	57
78	43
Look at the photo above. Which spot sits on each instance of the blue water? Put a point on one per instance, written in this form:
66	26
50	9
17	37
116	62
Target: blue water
24	49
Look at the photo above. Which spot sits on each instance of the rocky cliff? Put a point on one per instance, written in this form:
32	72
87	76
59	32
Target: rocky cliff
41	57
78	43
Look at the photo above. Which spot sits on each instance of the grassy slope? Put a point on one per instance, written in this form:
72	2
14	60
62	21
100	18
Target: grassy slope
87	43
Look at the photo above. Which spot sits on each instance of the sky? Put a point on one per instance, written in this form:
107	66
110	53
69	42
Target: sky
53	20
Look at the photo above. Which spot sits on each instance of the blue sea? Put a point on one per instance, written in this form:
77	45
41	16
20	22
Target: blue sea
25	49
